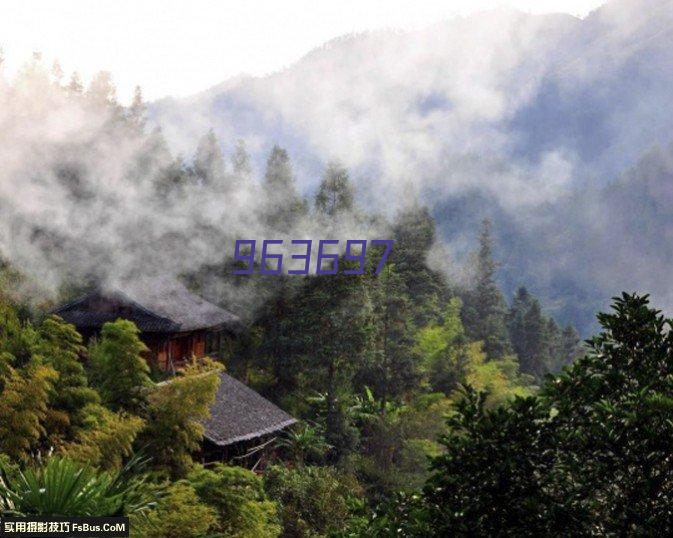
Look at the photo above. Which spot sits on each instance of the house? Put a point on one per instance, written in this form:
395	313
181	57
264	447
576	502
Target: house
239	419
174	323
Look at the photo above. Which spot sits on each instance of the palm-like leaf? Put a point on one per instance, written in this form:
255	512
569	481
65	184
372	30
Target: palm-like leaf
62	487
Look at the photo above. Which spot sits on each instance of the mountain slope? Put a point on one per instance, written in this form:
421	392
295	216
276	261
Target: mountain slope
526	119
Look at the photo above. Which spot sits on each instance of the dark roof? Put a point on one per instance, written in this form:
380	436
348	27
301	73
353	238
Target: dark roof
239	414
154	305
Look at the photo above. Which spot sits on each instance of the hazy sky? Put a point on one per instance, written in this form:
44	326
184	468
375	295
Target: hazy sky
182	47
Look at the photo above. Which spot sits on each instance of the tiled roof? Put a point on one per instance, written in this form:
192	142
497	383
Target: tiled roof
239	414
154	305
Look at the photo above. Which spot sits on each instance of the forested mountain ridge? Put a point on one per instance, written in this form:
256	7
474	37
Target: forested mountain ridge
521	118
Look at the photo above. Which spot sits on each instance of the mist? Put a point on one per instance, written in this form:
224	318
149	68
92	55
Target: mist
86	197
525	119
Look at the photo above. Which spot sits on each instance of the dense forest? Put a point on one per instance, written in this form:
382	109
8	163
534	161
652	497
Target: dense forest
427	406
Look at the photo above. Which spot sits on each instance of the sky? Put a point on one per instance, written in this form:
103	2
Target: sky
179	48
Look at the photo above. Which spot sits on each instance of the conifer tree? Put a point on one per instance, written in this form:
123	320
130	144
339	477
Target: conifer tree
570	346
484	314
209	166
283	204
535	354
137	112
413	234
75	85
335	193
393	369
240	161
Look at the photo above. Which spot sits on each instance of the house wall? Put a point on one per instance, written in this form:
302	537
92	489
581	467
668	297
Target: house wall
173	350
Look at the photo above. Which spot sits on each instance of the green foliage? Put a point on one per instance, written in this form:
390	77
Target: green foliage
60	346
441	347
392	368
590	455
414	235
179	513
536	339
284	206
118	368
238	496
313	501
62	487
105	438
327	309
484	314
175	410
335	194
304	445
24	396
209	167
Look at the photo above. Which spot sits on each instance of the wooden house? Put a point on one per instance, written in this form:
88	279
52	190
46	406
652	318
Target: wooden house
174	323
240	420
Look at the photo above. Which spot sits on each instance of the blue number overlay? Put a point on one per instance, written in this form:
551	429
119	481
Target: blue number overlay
327	263
250	258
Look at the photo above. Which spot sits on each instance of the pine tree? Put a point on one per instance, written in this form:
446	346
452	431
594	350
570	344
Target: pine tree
413	234
484	315
393	369
335	194
554	350
240	161
137	112
209	166
101	89
333	327
75	86
570	347
283	206
535	354
521	303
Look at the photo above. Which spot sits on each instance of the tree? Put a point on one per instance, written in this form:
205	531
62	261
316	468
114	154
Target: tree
306	445
240	161
312	501
591	454
612	423
75	86
176	410
570	347
484	315
392	370
119	370
105	438
283	207
326	310
414	235
60	346
24	396
239	499
209	166
137	112
495	475
101	90
335	194
441	347
179	512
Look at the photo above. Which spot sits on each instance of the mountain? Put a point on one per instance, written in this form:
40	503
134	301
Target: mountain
553	126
